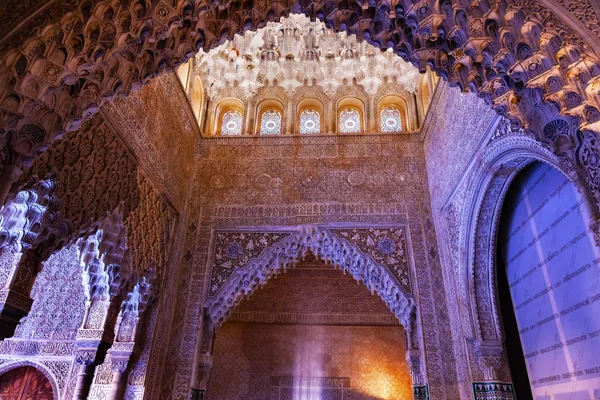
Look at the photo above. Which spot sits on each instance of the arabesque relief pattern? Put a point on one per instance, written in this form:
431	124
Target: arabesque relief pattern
362	189
86	54
61	62
93	171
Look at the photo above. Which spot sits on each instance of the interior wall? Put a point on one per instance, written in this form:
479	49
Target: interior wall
454	134
313	321
247	356
357	180
553	270
314	294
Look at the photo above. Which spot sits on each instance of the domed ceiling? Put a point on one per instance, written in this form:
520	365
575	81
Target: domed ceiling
296	52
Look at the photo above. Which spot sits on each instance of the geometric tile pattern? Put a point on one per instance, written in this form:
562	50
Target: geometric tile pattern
493	391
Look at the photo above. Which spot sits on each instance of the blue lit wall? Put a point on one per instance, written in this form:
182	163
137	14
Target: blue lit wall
553	271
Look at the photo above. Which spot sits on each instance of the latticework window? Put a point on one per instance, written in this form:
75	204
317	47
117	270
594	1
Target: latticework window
231	123
270	123
349	121
391	120
310	121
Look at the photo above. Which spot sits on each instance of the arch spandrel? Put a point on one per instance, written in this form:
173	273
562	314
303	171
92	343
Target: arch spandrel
360	252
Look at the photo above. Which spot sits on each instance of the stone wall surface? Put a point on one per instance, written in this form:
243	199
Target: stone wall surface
314	294
353	180
452	133
247	356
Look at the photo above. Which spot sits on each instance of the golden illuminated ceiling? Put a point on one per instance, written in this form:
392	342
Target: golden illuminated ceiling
296	52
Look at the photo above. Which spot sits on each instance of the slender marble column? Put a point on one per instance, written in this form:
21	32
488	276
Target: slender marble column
85	378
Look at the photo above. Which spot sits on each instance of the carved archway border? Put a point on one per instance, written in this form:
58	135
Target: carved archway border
325	244
233	92
9	365
502	160
311	92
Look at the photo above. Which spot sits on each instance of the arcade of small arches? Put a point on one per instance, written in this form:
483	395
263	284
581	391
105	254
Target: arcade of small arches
298	77
189	190
391	119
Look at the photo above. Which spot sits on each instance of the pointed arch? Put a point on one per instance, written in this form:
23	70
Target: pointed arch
502	160
285	253
46	371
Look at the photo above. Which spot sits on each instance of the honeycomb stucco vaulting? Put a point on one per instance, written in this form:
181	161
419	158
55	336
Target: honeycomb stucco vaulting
63	60
84	54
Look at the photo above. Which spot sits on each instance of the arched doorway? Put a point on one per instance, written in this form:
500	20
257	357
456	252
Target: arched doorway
311	333
547	285
25	383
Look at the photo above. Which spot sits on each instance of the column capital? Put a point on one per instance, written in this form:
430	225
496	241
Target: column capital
489	355
92	345
120	353
413	358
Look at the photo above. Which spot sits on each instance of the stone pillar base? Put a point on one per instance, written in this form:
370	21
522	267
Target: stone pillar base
493	391
421	392
197	394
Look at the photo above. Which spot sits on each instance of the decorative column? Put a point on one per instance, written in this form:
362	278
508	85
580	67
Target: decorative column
489	354
414	359
126	331
29	226
203	366
104	257
249	117
290	122
203	360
